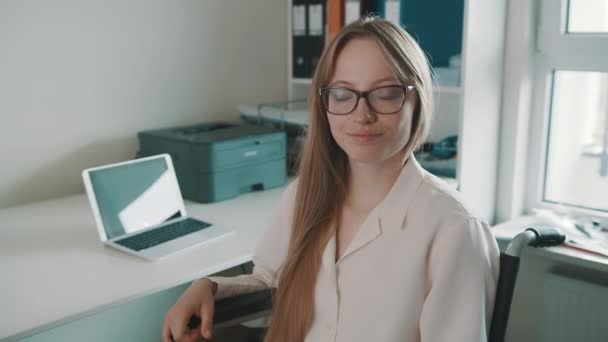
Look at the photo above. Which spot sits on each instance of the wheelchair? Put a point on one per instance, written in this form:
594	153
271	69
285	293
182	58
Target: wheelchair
244	308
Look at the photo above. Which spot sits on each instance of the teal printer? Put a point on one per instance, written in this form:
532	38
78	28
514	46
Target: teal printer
217	161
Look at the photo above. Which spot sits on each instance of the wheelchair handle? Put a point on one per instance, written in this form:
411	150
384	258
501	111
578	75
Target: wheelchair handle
539	236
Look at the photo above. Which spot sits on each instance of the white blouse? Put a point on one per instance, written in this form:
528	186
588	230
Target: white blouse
422	267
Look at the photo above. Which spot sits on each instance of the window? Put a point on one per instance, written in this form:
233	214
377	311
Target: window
576	172
587	16
570	166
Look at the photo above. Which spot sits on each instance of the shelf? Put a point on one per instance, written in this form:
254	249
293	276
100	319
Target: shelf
441	88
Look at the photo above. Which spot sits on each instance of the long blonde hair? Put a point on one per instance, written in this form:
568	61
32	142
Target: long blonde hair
323	172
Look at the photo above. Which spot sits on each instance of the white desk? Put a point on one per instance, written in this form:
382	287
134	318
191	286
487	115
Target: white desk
54	269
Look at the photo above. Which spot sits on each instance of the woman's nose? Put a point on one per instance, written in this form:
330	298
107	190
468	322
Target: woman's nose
363	113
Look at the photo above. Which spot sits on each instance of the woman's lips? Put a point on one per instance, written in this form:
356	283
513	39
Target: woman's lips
364	137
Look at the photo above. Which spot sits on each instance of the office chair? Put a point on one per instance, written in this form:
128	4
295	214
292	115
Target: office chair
240	309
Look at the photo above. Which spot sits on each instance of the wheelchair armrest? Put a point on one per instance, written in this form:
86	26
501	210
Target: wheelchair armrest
238	309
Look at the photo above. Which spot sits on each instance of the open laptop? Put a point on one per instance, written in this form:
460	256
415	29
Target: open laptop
139	209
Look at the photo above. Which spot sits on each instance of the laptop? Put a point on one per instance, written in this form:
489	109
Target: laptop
138	209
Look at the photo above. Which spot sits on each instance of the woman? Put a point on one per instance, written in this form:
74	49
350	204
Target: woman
366	245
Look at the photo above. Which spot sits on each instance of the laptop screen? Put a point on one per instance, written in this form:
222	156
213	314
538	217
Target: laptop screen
136	195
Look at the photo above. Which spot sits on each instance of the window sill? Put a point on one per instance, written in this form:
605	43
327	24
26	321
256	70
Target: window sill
505	231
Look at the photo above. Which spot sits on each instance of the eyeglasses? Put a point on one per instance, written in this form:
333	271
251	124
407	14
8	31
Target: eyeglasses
382	100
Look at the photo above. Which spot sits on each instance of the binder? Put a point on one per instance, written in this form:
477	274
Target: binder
392	11
335	18
316	32
308	36
352	11
299	38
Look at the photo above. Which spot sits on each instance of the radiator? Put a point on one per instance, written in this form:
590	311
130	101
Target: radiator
574	310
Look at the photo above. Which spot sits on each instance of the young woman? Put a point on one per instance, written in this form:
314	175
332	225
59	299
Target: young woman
366	245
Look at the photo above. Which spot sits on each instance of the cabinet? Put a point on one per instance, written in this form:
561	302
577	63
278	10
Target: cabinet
470	109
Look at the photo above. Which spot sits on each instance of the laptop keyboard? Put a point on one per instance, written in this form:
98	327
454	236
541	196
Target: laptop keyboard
166	233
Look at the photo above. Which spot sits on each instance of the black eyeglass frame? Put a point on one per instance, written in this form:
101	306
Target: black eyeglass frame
406	89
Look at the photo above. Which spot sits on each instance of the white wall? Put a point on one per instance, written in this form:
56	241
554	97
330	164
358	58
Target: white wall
79	79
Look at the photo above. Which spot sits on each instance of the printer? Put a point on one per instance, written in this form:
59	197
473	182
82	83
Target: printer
216	161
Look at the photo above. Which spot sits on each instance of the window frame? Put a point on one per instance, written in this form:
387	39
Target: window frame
556	50
553	38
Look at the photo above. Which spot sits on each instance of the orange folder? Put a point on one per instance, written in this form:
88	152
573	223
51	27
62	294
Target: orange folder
335	18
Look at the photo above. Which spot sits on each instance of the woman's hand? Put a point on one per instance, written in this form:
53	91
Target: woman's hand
197	300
